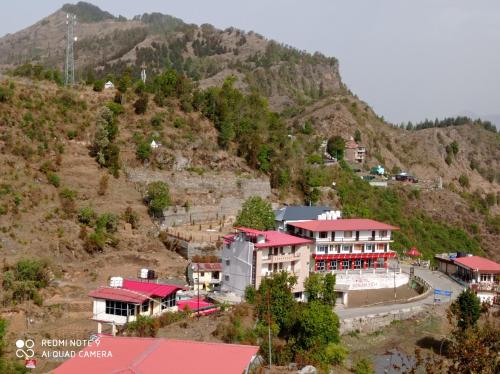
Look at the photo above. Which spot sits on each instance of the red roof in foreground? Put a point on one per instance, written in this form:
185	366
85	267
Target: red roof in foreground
149	355
347	224
150	288
479	263
192	304
118	294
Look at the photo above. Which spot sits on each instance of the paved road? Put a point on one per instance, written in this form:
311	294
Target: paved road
434	278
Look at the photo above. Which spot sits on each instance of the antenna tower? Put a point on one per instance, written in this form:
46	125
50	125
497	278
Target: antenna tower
69	68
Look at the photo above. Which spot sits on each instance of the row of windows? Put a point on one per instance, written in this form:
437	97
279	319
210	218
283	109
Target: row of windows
321	265
350	234
346	248
119	308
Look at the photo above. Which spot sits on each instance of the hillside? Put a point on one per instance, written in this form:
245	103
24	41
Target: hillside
110	45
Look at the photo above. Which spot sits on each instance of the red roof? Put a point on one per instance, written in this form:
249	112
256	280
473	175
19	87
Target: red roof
149	355
192	304
348	224
206	266
119	294
479	263
274	238
150	289
280	239
414	252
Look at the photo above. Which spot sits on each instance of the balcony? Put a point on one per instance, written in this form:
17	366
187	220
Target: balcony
288	257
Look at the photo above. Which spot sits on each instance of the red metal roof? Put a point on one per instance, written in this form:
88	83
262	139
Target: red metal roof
118	294
280	239
192	304
414	252
149	355
206	266
479	263
150	289
348	224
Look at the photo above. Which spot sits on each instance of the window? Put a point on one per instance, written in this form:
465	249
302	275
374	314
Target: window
370	247
345	264
357	264
322	248
145	306
383	233
333	236
276	251
347	234
226	278
270	252
168	301
293	249
269	267
282	250
281	266
215	275
333	265
337	248
202	274
323	235
485	277
320	265
119	308
347	248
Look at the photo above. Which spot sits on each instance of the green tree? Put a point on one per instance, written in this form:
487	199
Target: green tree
316	326
157	198
357	136
329	294
466	309
256	213
281	301
314	287
335	147
141	104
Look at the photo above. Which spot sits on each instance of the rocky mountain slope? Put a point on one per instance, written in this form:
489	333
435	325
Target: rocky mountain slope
304	88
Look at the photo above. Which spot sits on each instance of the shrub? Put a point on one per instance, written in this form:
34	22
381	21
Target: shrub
143	326
464	181
141	104
107	222
54	179
335	147
72	134
157	198
103	185
131	217
116	108
95	242
87	216
143	151
98	85
363	366
256	213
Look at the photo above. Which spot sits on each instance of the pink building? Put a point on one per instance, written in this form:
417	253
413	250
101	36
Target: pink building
250	255
347	243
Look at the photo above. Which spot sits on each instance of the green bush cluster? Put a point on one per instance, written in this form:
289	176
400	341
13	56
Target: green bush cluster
157	198
23	281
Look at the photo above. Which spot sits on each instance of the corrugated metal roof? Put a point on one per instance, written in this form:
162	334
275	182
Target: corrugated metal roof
118	294
150	355
479	263
206	266
352	224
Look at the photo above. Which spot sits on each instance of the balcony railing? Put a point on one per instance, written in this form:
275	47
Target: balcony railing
282	257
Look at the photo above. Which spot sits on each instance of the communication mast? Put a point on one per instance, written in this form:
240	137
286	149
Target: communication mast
69	68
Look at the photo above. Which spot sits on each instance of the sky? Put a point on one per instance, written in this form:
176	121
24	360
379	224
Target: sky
409	60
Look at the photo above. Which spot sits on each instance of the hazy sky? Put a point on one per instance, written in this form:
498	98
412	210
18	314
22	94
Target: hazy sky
408	59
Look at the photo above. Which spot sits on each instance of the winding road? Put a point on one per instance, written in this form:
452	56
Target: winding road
436	279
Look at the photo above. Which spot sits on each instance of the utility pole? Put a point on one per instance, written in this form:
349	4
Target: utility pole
69	67
268	297
198	270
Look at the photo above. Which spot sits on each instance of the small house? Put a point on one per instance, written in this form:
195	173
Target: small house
124	300
354	152
205	276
